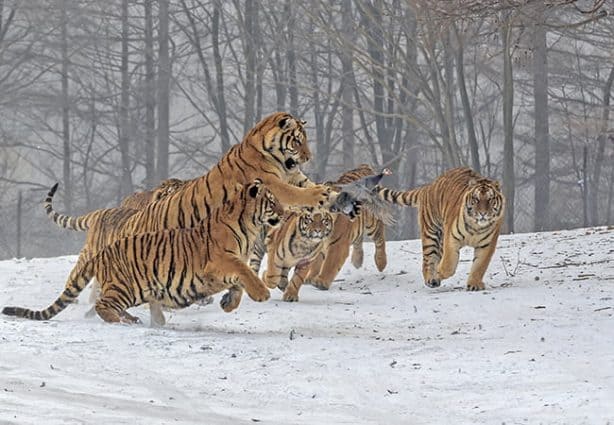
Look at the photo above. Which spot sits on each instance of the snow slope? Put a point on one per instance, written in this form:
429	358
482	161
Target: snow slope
379	348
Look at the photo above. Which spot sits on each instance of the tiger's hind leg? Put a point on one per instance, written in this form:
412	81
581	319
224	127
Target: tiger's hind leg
112	304
336	255
378	234
450	256
358	253
481	259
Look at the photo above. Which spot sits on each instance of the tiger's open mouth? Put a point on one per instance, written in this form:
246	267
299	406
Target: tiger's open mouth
273	221
290	163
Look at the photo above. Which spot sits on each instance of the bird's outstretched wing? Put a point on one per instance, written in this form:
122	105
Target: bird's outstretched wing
364	191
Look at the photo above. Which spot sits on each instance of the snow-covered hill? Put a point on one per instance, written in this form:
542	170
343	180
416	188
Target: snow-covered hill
379	348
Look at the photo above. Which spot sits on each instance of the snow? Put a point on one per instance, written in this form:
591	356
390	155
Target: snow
378	348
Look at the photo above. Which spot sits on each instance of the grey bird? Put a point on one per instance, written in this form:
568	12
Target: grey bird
363	191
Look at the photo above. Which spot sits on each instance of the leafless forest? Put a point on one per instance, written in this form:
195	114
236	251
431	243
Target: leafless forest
109	97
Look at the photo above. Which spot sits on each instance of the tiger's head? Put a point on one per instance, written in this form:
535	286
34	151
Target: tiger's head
168	187
484	202
315	223
267	209
285	139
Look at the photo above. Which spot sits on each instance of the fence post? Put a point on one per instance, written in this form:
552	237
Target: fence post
18	224
585	184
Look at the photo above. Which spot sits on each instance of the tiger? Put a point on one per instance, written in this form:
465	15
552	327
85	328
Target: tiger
348	233
99	224
459	208
174	268
273	150
128	206
295	243
139	200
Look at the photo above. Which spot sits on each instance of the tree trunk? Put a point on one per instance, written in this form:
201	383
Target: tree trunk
66	113
347	115
462	87
150	100
449	102
542	143
508	124
18	225
124	140
603	135
164	77
371	21
291	58
585	188
250	65
219	77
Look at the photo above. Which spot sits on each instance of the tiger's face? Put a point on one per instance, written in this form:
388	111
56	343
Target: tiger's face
315	223
168	187
287	141
268	210
484	203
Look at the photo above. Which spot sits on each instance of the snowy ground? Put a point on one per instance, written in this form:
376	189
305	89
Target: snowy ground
379	348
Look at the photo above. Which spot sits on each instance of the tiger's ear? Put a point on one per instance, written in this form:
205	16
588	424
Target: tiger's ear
497	185
254	188
286	122
472	182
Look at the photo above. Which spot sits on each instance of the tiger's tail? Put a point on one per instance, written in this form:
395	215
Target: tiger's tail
77	281
79	223
408	198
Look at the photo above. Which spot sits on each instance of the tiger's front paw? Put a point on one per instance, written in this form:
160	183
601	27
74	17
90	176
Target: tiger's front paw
475	286
128	318
320	284
230	300
323	195
260	294
433	283
290	296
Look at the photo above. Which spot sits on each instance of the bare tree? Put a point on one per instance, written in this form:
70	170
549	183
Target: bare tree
164	79
542	143
150	99
124	131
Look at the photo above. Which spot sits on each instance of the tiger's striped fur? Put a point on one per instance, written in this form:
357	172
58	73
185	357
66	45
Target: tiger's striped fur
114	216
174	268
459	208
139	200
100	224
273	150
296	243
348	233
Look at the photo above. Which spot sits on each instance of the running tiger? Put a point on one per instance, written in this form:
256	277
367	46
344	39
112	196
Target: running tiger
273	150
296	243
100	224
459	208
139	200
175	268
348	233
